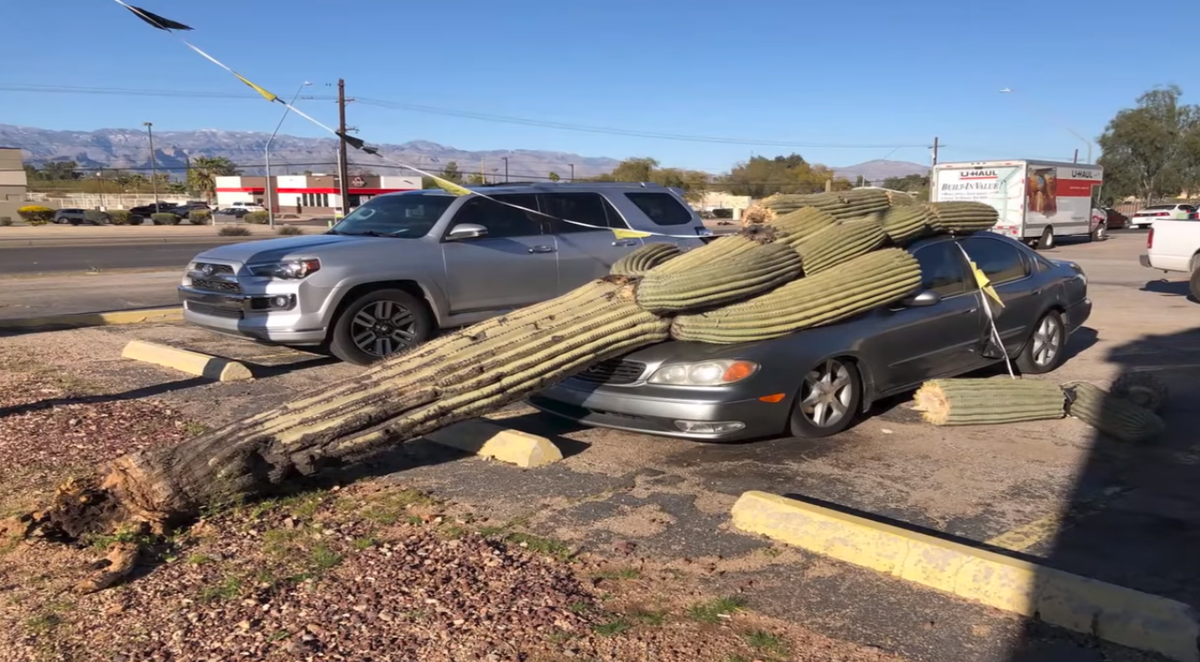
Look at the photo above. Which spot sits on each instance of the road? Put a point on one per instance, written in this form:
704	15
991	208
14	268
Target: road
57	259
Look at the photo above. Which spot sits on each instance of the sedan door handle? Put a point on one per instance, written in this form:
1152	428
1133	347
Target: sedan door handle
541	249
625	242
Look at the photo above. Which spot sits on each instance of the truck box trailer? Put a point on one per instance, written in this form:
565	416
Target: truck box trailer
1037	200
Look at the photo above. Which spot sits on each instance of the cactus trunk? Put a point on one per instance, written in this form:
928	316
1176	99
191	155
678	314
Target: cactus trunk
904	224
961	217
797	226
453	378
758	270
644	259
988	401
1141	388
1112	415
838	243
848	289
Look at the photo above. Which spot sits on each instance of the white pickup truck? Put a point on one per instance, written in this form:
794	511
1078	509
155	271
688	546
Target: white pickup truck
1175	246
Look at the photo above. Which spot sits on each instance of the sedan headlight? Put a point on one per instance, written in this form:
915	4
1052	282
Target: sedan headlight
704	373
286	269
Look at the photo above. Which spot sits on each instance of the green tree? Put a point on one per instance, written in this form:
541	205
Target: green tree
475	178
761	176
645	169
910	183
204	171
57	171
554	176
452	173
1153	150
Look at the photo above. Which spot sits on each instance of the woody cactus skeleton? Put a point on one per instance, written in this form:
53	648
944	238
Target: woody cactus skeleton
750	286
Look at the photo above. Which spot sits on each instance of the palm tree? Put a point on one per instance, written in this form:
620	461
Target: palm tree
205	170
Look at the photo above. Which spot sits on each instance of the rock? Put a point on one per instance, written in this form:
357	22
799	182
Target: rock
625	546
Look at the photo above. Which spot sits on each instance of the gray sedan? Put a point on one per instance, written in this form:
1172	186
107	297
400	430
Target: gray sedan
813	383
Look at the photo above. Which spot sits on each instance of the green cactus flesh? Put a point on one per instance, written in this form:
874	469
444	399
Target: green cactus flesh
904	224
1113	416
988	401
838	243
961	217
644	259
851	288
729	280
713	252
797	225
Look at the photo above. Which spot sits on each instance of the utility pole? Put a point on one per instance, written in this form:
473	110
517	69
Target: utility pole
1076	159
343	167
935	150
572	171
505	159
153	163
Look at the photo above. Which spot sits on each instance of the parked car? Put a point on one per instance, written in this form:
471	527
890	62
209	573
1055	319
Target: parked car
403	265
1144	217
79	217
240	209
1174	246
813	383
146	211
183	210
1115	219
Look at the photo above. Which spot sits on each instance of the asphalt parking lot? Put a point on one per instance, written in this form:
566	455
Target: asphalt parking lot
1053	490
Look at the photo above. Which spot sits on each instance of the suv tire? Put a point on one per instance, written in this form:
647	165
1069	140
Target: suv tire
380	319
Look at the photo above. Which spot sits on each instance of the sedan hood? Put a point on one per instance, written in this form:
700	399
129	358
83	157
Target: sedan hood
676	350
269	250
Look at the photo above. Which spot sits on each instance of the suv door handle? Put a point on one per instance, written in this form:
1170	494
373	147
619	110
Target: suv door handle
541	248
625	242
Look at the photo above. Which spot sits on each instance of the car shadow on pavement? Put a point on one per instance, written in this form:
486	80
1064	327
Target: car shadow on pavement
132	394
1133	517
1170	287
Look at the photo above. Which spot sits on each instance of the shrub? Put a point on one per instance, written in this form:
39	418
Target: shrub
288	230
119	217
164	219
94	216
257	218
5	221
36	214
200	217
234	231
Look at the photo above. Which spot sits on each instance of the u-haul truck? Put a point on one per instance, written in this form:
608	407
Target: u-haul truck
1037	200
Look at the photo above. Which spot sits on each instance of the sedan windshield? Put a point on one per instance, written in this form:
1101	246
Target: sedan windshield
409	216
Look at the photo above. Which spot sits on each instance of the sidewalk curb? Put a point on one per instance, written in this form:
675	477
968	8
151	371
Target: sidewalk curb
78	320
1110	612
194	363
499	443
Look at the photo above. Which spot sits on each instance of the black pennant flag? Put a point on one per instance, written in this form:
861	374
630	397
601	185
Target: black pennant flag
356	143
156	20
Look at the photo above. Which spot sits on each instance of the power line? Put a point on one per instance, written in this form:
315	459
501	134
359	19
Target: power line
453	112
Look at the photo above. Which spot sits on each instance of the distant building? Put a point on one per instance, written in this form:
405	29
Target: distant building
318	193
714	200
13	184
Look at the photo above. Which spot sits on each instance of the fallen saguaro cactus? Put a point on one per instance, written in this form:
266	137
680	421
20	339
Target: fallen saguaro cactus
1114	416
738	288
1141	388
969	401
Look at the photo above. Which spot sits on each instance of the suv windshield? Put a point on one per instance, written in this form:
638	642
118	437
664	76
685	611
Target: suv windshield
410	215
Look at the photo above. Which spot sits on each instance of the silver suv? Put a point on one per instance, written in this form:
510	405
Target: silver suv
404	265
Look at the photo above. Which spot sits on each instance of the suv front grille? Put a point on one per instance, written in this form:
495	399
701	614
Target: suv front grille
216	285
214	278
214	311
614	372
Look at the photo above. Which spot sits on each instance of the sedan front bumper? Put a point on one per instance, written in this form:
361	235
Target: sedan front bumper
661	416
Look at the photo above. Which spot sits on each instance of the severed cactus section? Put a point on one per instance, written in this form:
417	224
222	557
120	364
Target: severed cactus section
724	248
644	259
838	243
961	217
848	289
763	267
841	205
798	225
988	401
900	199
1141	388
1111	415
904	224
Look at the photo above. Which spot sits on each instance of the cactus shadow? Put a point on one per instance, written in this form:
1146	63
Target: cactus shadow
1132	517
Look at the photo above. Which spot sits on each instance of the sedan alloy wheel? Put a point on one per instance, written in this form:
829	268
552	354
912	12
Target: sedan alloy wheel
828	400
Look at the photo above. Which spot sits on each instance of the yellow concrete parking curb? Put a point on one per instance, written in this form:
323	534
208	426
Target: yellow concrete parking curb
499	443
194	363
77	320
1114	613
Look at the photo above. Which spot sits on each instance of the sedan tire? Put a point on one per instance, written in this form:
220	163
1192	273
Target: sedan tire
828	401
1044	351
379	324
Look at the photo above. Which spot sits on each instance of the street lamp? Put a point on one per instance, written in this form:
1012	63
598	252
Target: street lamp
100	183
153	164
1025	100
267	154
505	159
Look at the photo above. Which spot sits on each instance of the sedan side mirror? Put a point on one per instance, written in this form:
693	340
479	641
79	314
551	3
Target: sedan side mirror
466	231
923	298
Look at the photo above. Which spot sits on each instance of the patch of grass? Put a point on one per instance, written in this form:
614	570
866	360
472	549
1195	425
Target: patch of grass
389	507
288	230
365	542
303	506
711	611
233	231
649	616
737	658
765	642
613	627
547	546
199	559
772	551
453	532
194	429
323	558
226	589
101	542
280	542
619	573
278	635
43	623
488	531
578	607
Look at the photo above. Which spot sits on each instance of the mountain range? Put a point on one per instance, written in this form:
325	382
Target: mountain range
130	149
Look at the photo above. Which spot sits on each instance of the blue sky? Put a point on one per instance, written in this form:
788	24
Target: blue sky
850	81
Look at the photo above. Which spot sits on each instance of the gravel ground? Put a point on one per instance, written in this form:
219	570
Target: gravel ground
371	571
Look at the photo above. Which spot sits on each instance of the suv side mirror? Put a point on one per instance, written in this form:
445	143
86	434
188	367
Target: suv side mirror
466	231
923	299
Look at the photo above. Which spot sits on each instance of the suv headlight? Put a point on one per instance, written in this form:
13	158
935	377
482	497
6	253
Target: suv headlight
286	269
704	373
